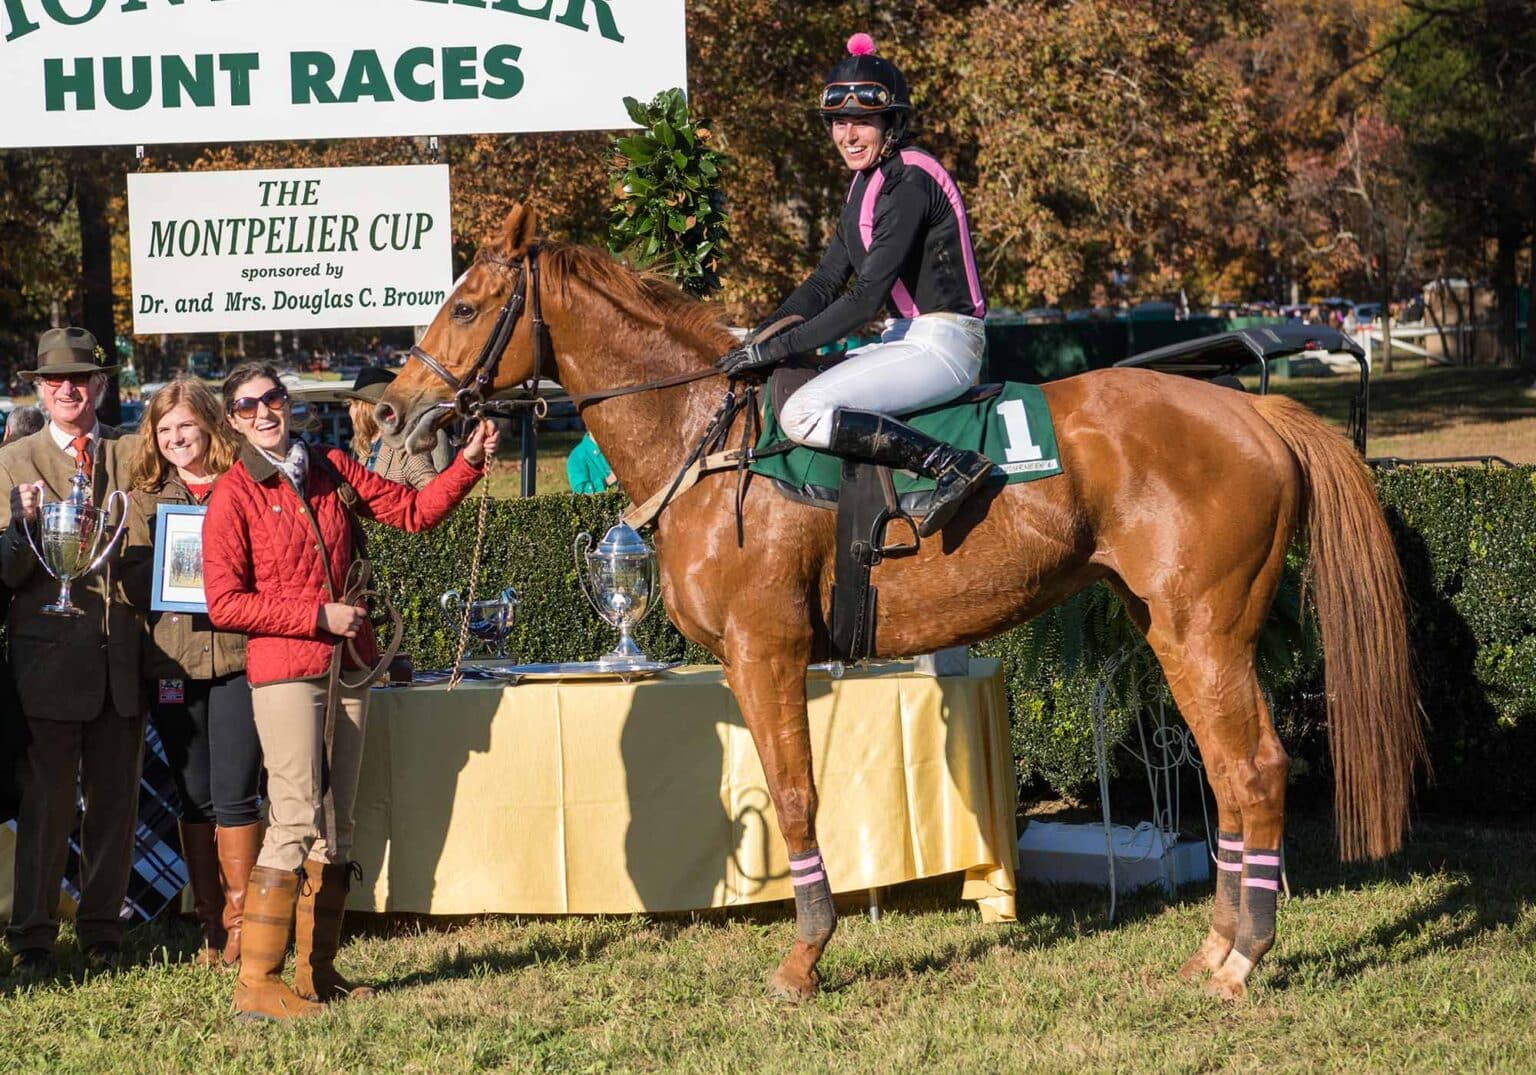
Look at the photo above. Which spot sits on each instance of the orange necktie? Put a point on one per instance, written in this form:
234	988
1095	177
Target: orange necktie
82	448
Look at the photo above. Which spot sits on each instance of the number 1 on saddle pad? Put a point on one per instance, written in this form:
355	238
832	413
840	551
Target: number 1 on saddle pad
1020	446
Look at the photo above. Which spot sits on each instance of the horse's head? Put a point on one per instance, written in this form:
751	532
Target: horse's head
421	399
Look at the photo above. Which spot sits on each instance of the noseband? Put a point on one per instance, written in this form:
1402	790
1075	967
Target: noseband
470	390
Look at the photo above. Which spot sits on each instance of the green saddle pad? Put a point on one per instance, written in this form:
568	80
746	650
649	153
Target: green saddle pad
1013	429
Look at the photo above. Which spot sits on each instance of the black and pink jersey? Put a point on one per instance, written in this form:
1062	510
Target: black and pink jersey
904	240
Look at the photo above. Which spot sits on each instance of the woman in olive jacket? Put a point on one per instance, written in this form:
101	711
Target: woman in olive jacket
200	701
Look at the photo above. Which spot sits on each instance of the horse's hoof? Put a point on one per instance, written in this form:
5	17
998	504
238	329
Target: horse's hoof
1225	988
795	988
1195	968
1228	982
1209	957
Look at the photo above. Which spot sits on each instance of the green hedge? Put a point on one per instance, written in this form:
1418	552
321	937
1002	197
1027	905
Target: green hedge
1466	538
1467	542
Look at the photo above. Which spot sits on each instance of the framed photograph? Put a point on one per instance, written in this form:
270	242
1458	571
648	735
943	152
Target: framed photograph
178	578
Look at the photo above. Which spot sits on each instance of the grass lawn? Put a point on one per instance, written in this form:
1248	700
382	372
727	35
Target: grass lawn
549	476
1426	964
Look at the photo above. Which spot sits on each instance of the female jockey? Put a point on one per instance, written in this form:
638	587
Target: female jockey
904	242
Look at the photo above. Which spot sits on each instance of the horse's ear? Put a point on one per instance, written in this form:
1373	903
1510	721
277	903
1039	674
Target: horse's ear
517	232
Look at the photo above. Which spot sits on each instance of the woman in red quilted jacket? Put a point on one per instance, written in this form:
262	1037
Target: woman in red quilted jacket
277	552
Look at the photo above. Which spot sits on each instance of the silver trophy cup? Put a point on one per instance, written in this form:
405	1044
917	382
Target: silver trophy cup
71	532
619	577
490	620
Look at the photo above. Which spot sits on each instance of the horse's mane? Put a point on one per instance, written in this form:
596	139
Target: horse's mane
645	296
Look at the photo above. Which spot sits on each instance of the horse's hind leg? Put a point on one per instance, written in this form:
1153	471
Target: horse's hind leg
770	688
1213	951
1213	680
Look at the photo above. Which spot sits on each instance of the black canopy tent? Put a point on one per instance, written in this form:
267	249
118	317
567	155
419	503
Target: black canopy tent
1226	354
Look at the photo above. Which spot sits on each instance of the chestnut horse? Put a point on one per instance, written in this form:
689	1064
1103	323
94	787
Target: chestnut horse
1182	496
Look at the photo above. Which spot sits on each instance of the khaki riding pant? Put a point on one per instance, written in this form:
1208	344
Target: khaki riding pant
290	721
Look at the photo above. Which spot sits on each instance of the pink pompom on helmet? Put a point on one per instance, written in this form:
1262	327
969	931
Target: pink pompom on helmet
863	84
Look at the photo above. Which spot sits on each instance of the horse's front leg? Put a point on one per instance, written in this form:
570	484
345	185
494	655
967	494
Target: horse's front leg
769	682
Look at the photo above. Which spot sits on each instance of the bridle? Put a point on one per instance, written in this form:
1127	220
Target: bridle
708	455
471	389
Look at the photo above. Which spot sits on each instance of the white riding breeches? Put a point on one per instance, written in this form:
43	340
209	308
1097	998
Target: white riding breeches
919	362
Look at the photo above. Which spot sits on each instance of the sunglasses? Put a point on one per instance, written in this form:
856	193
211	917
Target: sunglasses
53	380
274	399
866	96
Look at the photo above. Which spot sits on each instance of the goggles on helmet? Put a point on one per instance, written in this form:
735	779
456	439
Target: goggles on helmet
862	96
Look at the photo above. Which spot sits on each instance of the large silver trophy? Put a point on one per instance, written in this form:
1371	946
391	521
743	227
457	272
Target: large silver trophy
71	532
490	620
619	578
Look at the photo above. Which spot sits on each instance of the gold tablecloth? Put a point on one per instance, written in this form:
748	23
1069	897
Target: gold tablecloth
604	797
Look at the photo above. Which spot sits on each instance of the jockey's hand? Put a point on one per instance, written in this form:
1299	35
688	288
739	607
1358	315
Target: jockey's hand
748	356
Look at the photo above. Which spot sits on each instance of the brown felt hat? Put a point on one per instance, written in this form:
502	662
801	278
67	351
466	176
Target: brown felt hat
68	350
370	384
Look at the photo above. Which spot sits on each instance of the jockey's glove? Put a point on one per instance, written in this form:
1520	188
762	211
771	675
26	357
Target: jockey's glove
749	356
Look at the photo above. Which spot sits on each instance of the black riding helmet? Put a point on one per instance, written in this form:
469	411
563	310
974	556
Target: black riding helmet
864	84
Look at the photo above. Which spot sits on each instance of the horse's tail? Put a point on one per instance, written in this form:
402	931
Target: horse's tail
1375	724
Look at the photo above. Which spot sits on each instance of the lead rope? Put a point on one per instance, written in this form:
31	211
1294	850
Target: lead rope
474	574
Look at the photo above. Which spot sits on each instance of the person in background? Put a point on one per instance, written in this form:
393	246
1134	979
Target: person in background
198	696
586	469
23	422
388	462
281	549
77	676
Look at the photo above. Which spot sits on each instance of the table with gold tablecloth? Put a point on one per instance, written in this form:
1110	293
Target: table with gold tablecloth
605	797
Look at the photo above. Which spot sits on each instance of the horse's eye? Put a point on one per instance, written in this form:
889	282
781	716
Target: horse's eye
463	311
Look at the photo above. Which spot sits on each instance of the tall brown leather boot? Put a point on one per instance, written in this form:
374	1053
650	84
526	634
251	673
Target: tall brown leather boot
197	850
260	992
238	848
317	933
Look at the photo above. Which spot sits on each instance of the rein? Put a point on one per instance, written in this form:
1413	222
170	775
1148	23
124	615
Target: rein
471	389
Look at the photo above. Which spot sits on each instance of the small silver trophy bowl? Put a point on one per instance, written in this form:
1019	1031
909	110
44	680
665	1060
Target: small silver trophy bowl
619	578
490	620
71	532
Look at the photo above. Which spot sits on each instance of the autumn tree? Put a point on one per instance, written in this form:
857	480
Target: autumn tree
1462	85
1102	136
1210	147
39	262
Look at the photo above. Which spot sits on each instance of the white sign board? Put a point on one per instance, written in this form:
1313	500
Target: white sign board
125	72
289	249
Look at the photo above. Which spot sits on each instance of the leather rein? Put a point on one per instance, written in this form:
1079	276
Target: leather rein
470	390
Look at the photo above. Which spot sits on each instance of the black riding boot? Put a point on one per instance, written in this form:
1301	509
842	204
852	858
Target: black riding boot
876	438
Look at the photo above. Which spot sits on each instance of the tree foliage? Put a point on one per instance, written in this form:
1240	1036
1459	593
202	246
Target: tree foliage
669	210
1462	84
1102	137
38	261
1108	149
